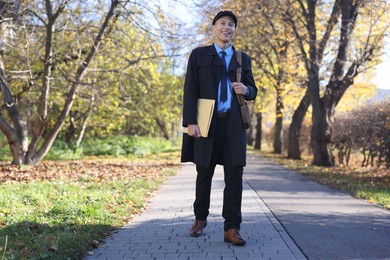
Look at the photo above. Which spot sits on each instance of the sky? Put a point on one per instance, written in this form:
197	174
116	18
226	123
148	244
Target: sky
382	75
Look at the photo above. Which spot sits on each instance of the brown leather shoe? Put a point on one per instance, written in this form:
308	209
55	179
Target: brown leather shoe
197	228
233	236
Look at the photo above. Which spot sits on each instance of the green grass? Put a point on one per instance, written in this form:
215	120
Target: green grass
371	184
103	146
63	216
60	219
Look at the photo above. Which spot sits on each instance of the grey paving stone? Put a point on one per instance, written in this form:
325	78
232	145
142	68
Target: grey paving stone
161	232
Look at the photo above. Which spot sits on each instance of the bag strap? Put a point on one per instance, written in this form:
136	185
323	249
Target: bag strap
239	70
240	98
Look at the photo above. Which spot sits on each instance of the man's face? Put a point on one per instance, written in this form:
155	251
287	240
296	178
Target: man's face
224	29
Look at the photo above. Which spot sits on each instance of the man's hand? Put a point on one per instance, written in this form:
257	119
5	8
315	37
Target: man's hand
240	88
194	131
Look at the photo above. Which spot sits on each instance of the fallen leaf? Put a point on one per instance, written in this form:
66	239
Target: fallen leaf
93	244
25	251
53	248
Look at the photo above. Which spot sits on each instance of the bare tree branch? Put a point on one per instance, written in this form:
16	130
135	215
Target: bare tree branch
333	19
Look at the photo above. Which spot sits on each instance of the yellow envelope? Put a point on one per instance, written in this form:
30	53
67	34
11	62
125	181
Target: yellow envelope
204	116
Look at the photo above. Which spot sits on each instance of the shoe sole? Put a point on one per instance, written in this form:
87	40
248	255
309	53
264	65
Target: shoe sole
234	244
196	235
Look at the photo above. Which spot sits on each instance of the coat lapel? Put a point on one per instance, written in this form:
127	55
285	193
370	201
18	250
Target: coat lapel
218	66
211	51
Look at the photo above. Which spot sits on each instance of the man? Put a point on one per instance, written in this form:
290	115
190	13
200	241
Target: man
211	74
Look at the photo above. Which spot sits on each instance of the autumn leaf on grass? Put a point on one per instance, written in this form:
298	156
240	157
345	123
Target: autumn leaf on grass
93	244
25	251
53	248
49	239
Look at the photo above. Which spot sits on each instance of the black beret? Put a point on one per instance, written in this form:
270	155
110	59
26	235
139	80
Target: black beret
225	13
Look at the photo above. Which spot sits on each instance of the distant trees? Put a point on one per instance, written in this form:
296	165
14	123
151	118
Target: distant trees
268	40
271	50
318	46
97	63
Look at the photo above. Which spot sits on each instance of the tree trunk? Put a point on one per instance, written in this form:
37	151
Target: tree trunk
258	131
16	135
279	123
71	130
293	150
163	128
321	134
278	135
249	133
84	124
388	153
18	157
249	136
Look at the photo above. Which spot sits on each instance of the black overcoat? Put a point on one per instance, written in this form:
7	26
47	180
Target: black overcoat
204	71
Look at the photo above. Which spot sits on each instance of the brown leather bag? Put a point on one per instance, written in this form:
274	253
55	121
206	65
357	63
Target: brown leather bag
246	119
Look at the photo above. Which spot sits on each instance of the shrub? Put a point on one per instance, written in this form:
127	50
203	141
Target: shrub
123	145
366	130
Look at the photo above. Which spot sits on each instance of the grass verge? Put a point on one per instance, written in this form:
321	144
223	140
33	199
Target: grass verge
60	210
368	183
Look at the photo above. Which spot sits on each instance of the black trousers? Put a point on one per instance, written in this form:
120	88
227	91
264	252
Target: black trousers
232	195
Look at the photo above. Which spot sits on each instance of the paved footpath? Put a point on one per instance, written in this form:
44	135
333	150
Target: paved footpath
161	232
325	223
